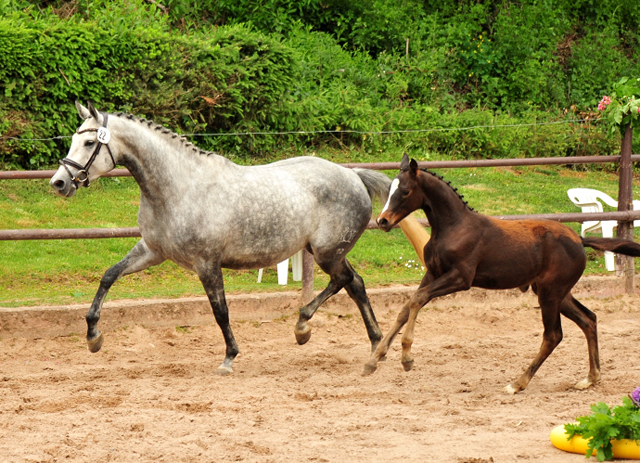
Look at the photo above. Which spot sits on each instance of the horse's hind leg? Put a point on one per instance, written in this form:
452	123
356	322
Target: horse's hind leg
211	277
341	275
550	307
357	292
587	321
138	259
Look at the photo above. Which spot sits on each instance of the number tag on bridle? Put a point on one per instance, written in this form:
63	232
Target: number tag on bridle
104	135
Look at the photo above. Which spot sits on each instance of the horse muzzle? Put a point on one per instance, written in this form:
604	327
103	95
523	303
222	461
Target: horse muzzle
62	183
384	223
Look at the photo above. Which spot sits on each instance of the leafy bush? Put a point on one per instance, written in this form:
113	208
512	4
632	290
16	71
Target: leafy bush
331	65
605	424
233	78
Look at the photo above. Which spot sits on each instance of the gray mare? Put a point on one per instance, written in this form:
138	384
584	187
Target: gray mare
204	212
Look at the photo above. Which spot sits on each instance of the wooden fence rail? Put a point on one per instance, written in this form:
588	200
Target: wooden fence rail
622	216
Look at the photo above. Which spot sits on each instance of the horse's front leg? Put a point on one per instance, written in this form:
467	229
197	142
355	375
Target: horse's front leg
138	259
211	277
453	281
383	347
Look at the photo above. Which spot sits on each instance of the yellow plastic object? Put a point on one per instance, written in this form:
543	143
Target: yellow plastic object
624	448
416	234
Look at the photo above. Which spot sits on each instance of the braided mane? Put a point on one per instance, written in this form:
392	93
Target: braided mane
164	130
455	190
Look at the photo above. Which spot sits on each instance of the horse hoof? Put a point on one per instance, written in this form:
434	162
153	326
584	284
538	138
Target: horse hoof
303	335
510	389
584	384
223	371
369	369
408	366
96	343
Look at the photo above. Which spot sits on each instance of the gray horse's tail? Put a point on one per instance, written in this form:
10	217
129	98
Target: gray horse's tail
377	183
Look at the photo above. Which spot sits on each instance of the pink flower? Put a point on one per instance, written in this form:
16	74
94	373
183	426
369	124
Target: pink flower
635	395
606	101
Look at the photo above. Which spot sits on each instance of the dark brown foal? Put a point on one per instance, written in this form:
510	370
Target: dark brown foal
469	249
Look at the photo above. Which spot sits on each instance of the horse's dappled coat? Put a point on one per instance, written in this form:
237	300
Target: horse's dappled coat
205	212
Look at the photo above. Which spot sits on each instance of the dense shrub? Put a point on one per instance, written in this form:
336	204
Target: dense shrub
230	78
339	70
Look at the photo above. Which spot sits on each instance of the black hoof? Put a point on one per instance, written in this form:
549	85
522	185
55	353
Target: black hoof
408	366
303	335
369	369
96	343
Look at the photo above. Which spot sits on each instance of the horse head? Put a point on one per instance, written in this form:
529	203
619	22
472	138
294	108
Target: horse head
404	195
87	159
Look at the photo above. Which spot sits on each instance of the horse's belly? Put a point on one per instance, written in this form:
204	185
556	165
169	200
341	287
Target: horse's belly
506	275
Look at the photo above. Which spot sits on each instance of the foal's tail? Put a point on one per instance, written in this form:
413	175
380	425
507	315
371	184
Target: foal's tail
378	185
617	245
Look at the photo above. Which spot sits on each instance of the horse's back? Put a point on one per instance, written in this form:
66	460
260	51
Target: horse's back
516	253
279	208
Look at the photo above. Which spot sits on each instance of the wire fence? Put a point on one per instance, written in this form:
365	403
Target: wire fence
337	131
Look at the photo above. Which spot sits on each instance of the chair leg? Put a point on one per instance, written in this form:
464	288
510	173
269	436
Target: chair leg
607	232
283	272
609	261
296	266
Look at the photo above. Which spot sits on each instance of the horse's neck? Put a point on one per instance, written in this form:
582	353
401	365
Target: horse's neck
161	162
443	206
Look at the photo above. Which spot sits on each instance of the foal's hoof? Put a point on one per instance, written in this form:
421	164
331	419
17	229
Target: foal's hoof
408	366
510	389
96	343
369	369
303	335
224	371
584	384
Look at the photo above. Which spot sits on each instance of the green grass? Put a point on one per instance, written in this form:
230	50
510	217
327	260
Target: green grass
69	271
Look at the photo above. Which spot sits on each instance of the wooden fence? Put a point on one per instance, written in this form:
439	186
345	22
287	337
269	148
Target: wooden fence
625	214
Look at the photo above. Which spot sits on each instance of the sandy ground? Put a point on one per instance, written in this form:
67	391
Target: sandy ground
150	394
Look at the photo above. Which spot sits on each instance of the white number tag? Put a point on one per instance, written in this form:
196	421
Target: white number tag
104	135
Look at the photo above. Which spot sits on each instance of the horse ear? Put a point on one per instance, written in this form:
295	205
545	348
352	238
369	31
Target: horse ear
82	111
404	164
413	167
95	113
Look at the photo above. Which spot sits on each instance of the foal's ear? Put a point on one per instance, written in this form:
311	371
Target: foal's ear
413	168
82	111
404	164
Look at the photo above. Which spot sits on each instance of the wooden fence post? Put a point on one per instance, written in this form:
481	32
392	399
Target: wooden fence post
625	265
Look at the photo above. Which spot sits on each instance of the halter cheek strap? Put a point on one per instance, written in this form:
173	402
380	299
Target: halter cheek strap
81	176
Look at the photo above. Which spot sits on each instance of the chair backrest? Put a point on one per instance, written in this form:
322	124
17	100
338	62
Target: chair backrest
585	198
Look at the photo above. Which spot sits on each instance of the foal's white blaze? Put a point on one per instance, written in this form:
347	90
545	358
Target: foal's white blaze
392	190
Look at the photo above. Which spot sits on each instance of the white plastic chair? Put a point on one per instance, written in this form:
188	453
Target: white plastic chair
283	269
589	200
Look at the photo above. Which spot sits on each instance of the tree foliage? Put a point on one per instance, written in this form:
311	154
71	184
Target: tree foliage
354	68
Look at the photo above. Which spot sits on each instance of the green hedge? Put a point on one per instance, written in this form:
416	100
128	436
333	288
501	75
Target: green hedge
231	79
128	56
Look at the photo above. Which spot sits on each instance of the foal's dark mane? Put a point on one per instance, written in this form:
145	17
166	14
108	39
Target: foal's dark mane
186	143
448	183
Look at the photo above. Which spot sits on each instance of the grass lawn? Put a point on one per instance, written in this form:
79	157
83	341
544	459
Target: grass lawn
68	271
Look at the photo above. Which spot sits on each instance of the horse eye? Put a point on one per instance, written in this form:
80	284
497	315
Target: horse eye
405	193
89	143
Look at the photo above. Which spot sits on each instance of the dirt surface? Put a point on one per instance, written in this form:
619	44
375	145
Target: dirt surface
150	394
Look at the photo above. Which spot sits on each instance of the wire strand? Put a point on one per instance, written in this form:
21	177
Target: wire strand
317	132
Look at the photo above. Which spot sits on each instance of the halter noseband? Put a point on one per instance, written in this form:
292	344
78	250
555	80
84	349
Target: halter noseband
81	176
